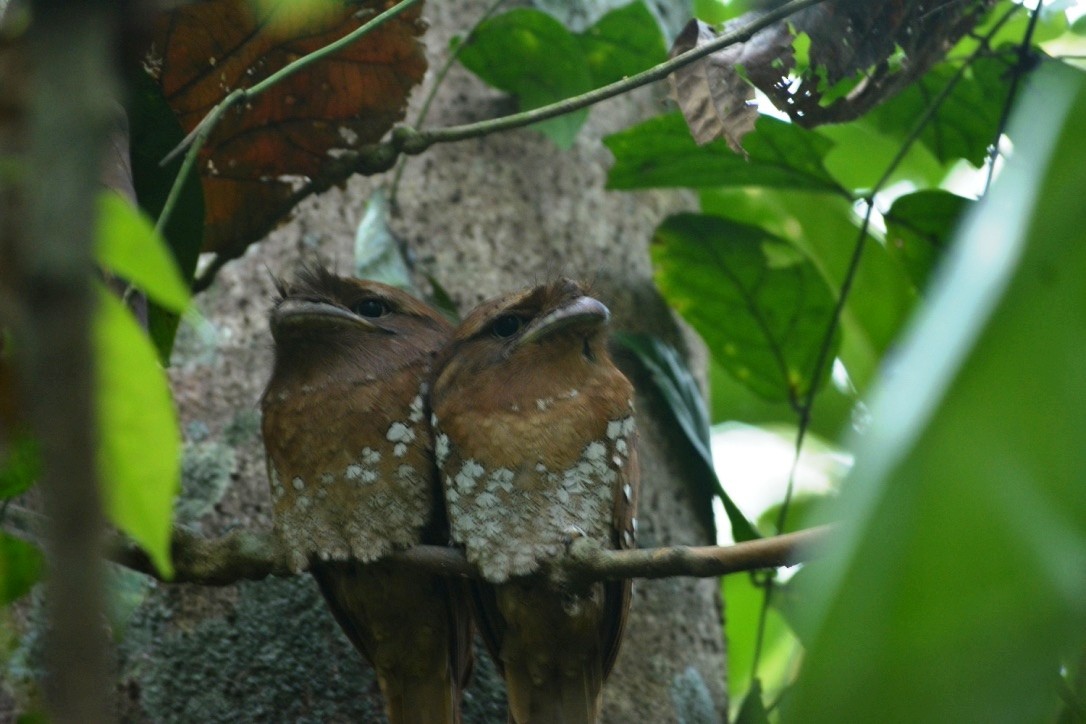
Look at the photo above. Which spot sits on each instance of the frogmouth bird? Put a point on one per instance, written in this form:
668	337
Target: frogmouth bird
534	436
350	460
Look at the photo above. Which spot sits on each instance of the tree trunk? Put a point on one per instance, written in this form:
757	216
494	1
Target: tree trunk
483	217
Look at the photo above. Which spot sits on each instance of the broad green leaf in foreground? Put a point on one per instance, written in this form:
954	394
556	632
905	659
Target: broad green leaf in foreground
954	582
686	403
661	153
139	455
760	305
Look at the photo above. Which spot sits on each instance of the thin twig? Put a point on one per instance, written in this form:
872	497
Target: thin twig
249	555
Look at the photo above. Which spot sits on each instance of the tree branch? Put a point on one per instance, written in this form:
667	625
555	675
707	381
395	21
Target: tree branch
251	555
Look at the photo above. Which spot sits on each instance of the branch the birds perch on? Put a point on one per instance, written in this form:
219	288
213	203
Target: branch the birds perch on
252	555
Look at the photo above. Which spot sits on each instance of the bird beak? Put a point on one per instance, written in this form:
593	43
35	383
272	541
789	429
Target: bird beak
306	314
581	311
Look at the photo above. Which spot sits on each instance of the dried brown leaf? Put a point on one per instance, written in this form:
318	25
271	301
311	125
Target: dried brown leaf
291	134
715	100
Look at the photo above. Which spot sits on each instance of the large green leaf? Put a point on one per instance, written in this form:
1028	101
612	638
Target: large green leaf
760	305
965	125
20	568
954	582
919	227
683	396
533	56
661	153
825	229
139	456
622	43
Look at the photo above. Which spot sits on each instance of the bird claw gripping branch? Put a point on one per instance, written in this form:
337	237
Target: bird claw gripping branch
534	437
350	460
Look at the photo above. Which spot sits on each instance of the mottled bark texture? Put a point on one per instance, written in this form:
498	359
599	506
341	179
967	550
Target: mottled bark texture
483	216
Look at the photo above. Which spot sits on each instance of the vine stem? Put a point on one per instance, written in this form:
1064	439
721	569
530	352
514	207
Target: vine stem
826	346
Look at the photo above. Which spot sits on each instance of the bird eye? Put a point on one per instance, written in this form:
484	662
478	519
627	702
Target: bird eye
507	325
370	308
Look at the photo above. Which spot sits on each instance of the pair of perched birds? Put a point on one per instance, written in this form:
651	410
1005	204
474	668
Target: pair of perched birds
510	436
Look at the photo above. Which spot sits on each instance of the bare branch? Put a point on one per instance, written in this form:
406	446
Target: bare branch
251	555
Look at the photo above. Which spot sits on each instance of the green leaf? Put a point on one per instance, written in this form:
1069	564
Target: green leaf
919	227
533	56
661	153
128	246
622	43
761	306
861	154
140	458
953	583
20	568
743	602
824	229
683	396
377	254
20	469
966	123
752	710
155	131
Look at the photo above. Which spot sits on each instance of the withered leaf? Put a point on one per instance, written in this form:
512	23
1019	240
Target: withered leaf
715	101
261	151
861	53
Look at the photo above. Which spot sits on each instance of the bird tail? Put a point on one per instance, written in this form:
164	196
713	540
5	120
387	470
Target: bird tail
559	699
427	700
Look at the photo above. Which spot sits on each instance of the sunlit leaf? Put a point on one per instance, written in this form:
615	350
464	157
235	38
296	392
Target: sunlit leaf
140	459
127	245
20	568
953	583
761	306
660	153
684	399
